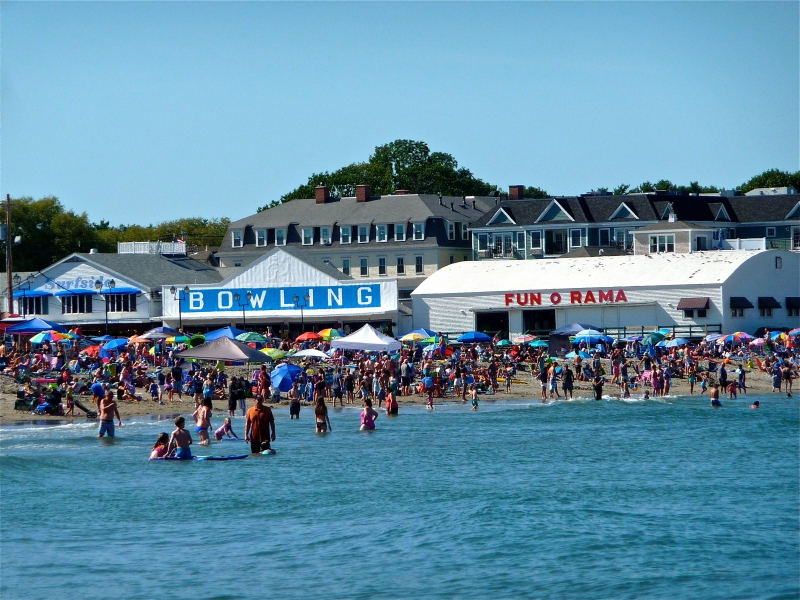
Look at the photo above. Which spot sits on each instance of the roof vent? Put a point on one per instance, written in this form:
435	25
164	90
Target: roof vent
473	205
400	192
463	202
440	200
93	251
672	217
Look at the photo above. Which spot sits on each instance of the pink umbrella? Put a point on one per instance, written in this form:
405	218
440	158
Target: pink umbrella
758	342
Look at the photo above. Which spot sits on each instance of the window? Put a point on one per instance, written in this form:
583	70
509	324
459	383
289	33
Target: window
794	312
237	263
419	231
575	238
688	314
381	233
778	262
662	243
464	231
280	237
76	304
519	241
770	232
363	234
400	232
364	267
33	306
466	257
765	312
237	239
401	265
418	266
121	302
382	265
261	237
308	236
483	241
701	313
737	312
345	231
605	237
451	230
452	258
346	266
325	235
536	239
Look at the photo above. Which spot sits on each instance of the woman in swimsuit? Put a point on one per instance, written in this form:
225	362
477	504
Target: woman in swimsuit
368	416
202	416
321	415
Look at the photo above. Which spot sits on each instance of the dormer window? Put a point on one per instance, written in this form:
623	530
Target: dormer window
236	240
554	212
464	231
501	217
308	236
381	233
722	214
363	234
623	212
345	233
261	237
399	232
419	231
325	235
451	230
280	237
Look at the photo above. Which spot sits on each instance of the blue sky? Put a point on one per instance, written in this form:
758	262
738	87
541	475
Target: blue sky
142	112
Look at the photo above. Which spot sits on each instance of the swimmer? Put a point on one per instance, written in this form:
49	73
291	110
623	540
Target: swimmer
368	416
226	429
180	440
473	395
160	447
714	394
647	394
202	417
755	404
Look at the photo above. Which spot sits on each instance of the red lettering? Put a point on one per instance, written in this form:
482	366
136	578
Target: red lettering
609	297
522	299
535	298
555	298
574	297
509	299
621	297
589	297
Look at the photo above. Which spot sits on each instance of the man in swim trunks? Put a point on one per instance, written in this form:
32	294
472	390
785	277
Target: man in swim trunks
180	440
714	394
107	409
259	427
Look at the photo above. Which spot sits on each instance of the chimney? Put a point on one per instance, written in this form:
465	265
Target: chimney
323	194
362	193
400	192
440	200
451	206
516	192
473	205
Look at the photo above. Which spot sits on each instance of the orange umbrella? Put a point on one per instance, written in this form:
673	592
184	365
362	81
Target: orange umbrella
91	350
308	336
137	339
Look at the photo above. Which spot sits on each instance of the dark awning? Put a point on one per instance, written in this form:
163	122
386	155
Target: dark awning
693	303
792	302
768	302
740	302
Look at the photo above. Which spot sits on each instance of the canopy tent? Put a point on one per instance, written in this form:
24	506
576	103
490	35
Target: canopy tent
310	353
228	332
34	326
367	338
224	349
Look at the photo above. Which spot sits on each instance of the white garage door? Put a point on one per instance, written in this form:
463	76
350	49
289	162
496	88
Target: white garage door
637	316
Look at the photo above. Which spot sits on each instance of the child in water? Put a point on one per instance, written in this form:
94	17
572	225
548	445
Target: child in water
160	447
473	395
226	429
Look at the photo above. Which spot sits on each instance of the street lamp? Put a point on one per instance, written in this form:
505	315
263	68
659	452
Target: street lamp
98	285
243	305
297	304
17	281
173	290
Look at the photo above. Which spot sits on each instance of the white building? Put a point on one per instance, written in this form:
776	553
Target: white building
715	290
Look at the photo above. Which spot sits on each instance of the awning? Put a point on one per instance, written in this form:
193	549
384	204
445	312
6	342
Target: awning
31	294
693	303
740	302
768	302
63	293
792	302
122	290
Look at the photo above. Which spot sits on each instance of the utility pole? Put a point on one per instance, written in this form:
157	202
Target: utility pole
8	255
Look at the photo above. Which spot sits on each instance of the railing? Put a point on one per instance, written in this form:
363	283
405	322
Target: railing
492	254
685	331
178	248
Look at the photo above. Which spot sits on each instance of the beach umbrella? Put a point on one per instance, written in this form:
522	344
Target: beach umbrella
273	353
582	354
712	337
795	331
91	350
588	333
310	353
524	339
137	339
502	343
48	336
284	375
228	332
539	344
251	337
677	342
330	334
103	338
633	338
425	333
773	336
413	337
737	337
196	340
160	333
653	338
474	337
308	336
224	349
758	342
177	339
115	344
34	326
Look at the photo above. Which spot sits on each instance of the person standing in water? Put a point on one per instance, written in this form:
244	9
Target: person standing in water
714	394
259	426
597	385
107	409
368	416
323	422
294	401
202	417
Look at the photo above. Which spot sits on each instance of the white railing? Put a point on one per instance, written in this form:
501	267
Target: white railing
151	248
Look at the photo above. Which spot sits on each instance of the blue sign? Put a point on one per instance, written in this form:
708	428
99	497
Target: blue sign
282	299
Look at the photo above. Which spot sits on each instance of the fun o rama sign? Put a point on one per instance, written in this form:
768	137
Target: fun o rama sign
572	297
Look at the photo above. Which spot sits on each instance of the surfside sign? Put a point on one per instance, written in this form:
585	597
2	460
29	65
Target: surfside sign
528	299
282	299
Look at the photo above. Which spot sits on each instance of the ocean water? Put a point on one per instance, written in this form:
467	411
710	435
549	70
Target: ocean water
645	499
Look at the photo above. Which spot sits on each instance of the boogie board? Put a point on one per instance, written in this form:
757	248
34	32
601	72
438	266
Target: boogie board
231	457
268	452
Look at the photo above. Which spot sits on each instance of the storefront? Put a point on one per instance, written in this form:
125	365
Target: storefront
613	292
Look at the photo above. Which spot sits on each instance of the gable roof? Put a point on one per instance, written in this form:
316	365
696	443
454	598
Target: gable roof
501	217
152	271
672	225
623	212
554	211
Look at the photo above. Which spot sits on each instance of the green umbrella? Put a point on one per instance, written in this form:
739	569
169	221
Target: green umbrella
652	338
503	343
539	344
251	337
274	353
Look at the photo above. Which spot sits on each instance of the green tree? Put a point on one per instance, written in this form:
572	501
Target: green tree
772	178
535	192
621	189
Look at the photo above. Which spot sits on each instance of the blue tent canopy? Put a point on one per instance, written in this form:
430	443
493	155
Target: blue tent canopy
34	326
31	294
228	332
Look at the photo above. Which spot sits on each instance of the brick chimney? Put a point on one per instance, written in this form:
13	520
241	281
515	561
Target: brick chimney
362	193
400	192
516	192
323	194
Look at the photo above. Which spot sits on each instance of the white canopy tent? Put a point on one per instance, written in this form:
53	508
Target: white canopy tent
367	338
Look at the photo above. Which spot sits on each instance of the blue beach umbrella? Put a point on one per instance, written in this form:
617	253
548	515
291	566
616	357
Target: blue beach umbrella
228	332
474	337
103	338
582	354
677	342
284	375
116	344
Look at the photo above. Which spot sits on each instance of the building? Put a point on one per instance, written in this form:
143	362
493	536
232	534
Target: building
697	293
283	292
520	228
404	236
